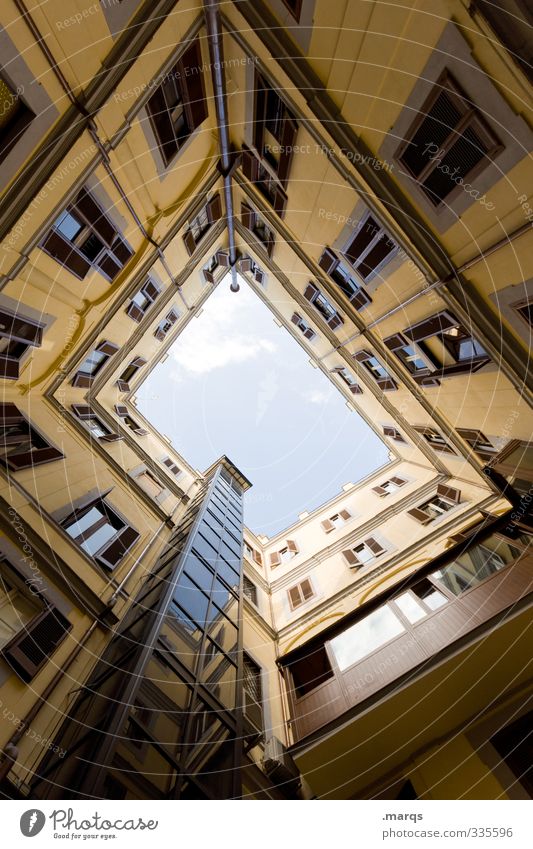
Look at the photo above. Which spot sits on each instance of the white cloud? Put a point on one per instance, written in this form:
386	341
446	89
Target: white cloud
317	396
215	339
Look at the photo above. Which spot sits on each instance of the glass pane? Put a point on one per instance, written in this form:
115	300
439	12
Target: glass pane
475	565
410	608
365	636
84	522
199	572
193	601
95	542
68	226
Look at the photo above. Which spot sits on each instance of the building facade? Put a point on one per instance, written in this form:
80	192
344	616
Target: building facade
376	202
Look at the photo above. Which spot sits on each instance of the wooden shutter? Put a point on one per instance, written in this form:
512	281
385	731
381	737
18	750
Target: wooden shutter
275	559
9	367
209	277
28	459
291	545
123	386
427	379
10	415
108	266
386	384
379	490
395	342
247	216
188	240
213	208
171	465
82	380
121	250
258	276
118	547
374	546
306	589
223	258
20	329
294	596
360	299
393	433
121	410
94	216
65	253
260	113
296	318
257	557
419	515
449	493
159	334
350	557
328	261
30	649
310	292
245	264
463	367
140	431
362	356
135	312
108	348
192	84
288	134
431	326
335	321
398	481
327	526
249	164
151	290
82	411
345	514
309	334
110	437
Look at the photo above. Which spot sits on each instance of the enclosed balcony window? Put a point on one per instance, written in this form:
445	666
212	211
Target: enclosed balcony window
476	565
365	636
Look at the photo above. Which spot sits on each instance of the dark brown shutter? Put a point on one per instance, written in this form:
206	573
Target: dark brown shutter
108	348
306	589
260	113
213	208
360	299
419	515
345	514
464	367
395	342
431	326
9	367
135	312
151	290
393	433
115	551
427	379
386	384
279	201
223	258
275	559
192	84
139	362
398	481
327	526
110	437
121	410
328	261
83	411
123	386
449	493
121	250
310	292
140	431
309	334
27	459
108	266
94	216
83	381
10	415
190	244
258	276
350	557
29	650
362	356
245	264
291	545
247	216
374	546
257	557
379	490
20	329
209	277
288	134
159	334
335	321
295	318
294	596
356	389
65	253
249	165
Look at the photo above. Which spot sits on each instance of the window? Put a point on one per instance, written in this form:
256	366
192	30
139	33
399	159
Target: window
129	373
249	590
253	692
100	532
201	223
389	487
284	554
179	106
30	627
310	671
378	372
525	311
445	499
348	379
166	324
17	335
15	116
82	238
514	744
247	264
420	600
411	356
171	466
343	278
365	637
264	177
122	411
480	562
252	554
300	593
21	447
392	433
219	260
253	222
369	249
150	484
447	142
96	428
274	130
448	345
93	363
336	521
323	306
363	553
435	439
478	443
303	326
143	300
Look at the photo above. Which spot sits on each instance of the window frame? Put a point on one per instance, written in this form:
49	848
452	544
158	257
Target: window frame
303	598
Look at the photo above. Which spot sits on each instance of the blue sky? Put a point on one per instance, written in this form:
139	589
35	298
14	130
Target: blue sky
237	384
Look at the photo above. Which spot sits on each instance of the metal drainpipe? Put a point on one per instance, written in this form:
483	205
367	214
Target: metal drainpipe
212	20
